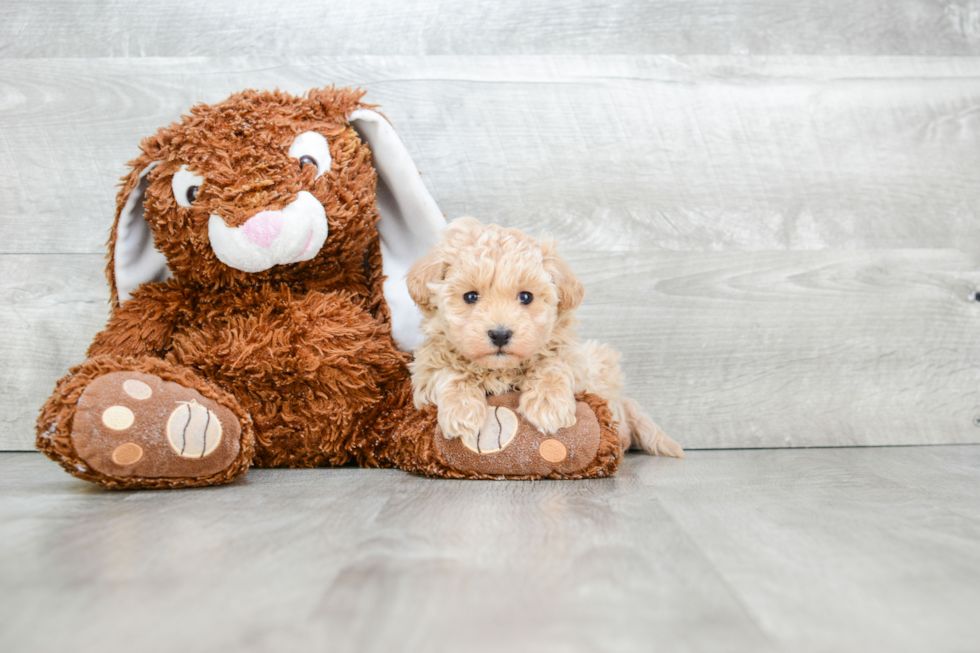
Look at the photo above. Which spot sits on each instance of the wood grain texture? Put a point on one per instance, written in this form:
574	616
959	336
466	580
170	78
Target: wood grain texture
787	349
724	349
808	550
116	28
836	550
52	306
612	153
353	560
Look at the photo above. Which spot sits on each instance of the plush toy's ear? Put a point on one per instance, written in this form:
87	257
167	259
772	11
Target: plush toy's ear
410	221
133	258
571	292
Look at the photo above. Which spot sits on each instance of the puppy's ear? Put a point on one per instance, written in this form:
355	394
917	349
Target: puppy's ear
571	292
428	269
432	267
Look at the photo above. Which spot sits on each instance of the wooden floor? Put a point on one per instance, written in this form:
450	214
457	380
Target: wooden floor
863	549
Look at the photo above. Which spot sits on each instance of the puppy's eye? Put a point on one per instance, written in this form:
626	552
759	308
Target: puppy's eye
192	194
471	297
525	298
303	160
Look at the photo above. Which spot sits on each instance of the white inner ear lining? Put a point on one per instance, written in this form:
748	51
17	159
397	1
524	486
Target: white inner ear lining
410	222
135	259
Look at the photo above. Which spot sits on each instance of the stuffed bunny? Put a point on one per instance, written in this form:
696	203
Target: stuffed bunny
259	310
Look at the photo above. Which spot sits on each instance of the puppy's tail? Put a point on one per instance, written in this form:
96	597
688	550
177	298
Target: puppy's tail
647	435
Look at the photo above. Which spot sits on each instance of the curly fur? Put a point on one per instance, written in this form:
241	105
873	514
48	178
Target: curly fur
459	363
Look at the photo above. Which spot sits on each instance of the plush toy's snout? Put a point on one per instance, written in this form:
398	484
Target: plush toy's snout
263	228
293	234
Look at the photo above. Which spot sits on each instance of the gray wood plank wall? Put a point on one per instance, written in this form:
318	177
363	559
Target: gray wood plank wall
773	205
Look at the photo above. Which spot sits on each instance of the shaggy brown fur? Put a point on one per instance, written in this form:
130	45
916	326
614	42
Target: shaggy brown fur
302	351
306	347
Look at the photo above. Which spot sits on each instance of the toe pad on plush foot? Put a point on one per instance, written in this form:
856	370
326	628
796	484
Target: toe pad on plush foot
132	424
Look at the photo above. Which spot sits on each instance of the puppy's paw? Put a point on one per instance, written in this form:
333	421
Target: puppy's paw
548	413
463	418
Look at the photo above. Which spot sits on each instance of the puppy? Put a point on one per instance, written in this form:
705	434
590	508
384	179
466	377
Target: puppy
498	315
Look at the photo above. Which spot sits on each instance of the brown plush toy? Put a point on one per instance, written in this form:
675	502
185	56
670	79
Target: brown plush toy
252	322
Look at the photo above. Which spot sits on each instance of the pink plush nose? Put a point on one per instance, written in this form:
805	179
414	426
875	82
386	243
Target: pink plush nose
263	228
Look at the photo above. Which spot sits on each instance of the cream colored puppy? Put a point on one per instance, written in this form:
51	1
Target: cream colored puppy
498	315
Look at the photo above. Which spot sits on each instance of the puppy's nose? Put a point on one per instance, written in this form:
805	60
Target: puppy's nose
500	336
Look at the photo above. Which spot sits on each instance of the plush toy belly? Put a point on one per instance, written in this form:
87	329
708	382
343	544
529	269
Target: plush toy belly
308	370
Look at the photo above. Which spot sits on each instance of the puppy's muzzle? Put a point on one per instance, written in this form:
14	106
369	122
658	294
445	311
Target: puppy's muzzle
500	336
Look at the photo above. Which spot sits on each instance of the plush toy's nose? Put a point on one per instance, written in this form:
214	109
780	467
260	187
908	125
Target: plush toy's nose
263	228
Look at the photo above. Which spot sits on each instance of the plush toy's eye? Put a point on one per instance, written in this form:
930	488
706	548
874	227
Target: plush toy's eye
525	297
185	185
311	147
471	297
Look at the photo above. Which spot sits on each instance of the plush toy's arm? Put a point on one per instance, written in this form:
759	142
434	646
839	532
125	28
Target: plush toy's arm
143	325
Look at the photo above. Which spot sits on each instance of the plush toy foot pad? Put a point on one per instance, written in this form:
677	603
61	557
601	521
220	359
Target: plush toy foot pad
132	424
508	445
